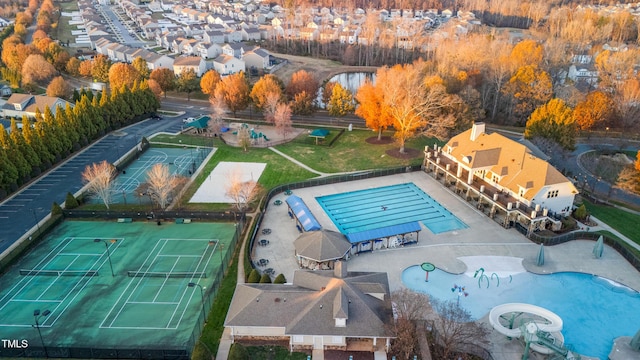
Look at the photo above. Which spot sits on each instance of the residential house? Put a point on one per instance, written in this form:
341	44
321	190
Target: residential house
18	105
208	50
320	310
5	90
257	58
196	63
233	35
251	34
309	33
213	36
504	175
236	49
226	65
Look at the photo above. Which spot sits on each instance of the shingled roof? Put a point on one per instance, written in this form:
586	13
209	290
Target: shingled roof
311	305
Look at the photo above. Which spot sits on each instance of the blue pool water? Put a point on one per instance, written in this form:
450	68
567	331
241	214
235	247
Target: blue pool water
375	208
595	311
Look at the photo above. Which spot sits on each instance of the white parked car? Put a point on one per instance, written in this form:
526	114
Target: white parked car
188	120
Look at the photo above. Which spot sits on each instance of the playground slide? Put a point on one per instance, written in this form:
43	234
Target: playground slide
552	323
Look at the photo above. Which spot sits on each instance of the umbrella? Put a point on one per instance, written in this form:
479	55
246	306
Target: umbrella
540	261
635	341
598	247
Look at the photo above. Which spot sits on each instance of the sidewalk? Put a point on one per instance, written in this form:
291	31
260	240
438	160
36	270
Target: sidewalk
603	226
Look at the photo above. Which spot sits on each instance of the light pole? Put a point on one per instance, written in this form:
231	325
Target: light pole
106	245
35	218
192	284
37	316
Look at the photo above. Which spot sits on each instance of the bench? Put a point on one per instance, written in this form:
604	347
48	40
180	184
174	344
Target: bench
125	220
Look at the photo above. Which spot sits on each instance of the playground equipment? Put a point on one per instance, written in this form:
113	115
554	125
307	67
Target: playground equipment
539	327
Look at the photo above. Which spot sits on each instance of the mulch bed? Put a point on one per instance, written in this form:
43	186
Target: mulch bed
383	141
408	153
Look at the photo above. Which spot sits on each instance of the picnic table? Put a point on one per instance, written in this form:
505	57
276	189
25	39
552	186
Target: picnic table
263	262
266	231
277	202
263	242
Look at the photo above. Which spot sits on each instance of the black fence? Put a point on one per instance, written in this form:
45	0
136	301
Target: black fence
93	353
153	215
617	245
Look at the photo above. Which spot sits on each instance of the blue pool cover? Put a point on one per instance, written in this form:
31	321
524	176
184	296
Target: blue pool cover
384	232
303	214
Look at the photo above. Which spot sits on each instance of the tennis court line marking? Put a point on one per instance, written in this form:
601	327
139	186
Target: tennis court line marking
154	302
123	292
25	283
182	297
128	184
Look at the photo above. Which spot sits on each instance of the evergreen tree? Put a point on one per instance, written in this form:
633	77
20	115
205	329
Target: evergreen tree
32	138
48	137
53	133
70	202
15	156
76	95
8	174
67	132
254	277
280	279
29	153
265	279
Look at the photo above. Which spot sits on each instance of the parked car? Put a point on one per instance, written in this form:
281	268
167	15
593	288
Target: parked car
188	120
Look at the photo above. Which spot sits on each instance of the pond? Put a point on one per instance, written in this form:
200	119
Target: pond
350	80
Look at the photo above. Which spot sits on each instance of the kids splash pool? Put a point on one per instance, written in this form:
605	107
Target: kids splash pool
595	310
375	208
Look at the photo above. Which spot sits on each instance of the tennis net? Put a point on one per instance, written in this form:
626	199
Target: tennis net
175	274
35	272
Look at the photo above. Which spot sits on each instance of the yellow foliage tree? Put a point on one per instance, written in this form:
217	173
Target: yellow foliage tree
553	120
209	81
123	74
530	87
595	111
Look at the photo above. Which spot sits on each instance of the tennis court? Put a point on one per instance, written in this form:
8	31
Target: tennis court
108	285
180	161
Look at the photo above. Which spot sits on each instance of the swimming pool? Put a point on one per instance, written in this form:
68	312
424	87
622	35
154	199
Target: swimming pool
375	208
595	310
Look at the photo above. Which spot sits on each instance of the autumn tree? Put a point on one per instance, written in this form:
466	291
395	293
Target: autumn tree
162	184
85	68
417	104
37	70
627	99
263	89
526	52
58	87
244	138
282	119
209	81
302	103
596	111
327	91
553	120
615	67
530	87
234	89
98	178
165	78
140	64
187	82
341	101
242	192
123	74
100	68
302	81
371	108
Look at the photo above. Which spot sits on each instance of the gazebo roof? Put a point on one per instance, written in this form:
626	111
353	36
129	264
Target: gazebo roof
322	245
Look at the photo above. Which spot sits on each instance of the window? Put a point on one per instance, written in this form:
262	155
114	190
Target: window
552	194
521	192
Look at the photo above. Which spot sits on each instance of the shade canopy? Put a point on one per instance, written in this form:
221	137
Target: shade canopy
322	245
302	213
200	123
319	133
635	341
384	232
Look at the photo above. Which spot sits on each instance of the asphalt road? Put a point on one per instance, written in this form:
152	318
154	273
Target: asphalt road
24	210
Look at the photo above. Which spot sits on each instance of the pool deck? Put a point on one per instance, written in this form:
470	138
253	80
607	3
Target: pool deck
483	237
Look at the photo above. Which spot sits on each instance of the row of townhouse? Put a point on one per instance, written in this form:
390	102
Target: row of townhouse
230	59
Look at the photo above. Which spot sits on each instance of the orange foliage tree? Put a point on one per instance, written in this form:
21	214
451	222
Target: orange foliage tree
209	81
123	74
371	108
595	111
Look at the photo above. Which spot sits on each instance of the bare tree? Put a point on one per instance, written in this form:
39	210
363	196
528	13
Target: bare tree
282	119
99	179
244	138
270	105
456	329
242	192
408	307
162	184
218	109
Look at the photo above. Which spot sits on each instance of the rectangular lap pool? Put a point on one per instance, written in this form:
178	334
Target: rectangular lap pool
368	209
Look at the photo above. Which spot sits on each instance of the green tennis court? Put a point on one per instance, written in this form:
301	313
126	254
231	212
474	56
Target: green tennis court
108	285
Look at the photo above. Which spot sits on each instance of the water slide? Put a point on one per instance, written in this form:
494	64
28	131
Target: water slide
540	319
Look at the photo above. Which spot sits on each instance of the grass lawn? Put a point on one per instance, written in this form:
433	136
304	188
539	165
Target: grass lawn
351	152
273	352
63	30
278	171
625	222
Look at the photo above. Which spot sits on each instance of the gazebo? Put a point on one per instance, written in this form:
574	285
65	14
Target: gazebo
321	249
319	134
